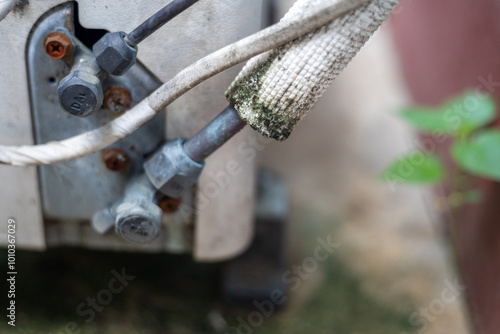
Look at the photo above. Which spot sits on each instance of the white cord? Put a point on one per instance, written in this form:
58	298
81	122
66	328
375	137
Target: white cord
6	7
185	80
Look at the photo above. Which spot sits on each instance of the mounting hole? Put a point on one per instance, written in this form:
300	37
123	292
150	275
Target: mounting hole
52	81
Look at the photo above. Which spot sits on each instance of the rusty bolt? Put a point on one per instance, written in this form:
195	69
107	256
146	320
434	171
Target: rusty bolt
58	45
169	204
115	159
117	99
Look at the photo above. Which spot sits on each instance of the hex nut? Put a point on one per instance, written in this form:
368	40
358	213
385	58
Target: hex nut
80	93
138	221
171	170
114	54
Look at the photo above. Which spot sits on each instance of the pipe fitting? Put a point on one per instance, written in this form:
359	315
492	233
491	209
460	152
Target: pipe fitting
171	170
136	217
114	54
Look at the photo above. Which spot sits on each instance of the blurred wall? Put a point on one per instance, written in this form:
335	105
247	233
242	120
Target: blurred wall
448	46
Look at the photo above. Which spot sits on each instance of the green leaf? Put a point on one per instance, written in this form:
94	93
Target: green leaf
427	120
415	168
458	116
480	155
469	112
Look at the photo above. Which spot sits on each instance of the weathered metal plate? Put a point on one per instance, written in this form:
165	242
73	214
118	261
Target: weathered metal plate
225	226
77	189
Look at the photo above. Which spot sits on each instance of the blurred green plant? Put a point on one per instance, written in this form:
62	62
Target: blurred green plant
475	148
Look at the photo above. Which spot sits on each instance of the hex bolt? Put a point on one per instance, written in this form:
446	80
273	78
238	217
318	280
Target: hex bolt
140	227
58	45
117	99
80	93
115	159
138	218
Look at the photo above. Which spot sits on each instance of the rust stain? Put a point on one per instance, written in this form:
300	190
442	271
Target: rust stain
169	204
115	159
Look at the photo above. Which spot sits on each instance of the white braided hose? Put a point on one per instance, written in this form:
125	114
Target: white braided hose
274	91
95	140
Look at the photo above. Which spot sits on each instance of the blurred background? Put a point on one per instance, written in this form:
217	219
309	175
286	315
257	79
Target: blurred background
402	262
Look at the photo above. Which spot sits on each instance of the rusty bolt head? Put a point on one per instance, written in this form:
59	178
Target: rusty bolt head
117	99
115	159
58	45
169	204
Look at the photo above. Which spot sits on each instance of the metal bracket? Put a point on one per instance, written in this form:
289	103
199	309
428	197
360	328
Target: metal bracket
79	188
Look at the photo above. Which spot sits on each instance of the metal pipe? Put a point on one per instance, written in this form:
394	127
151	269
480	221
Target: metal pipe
214	135
158	20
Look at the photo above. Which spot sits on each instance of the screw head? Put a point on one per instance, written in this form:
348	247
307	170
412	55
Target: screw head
169	205
117	99
58	45
115	159
80	93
